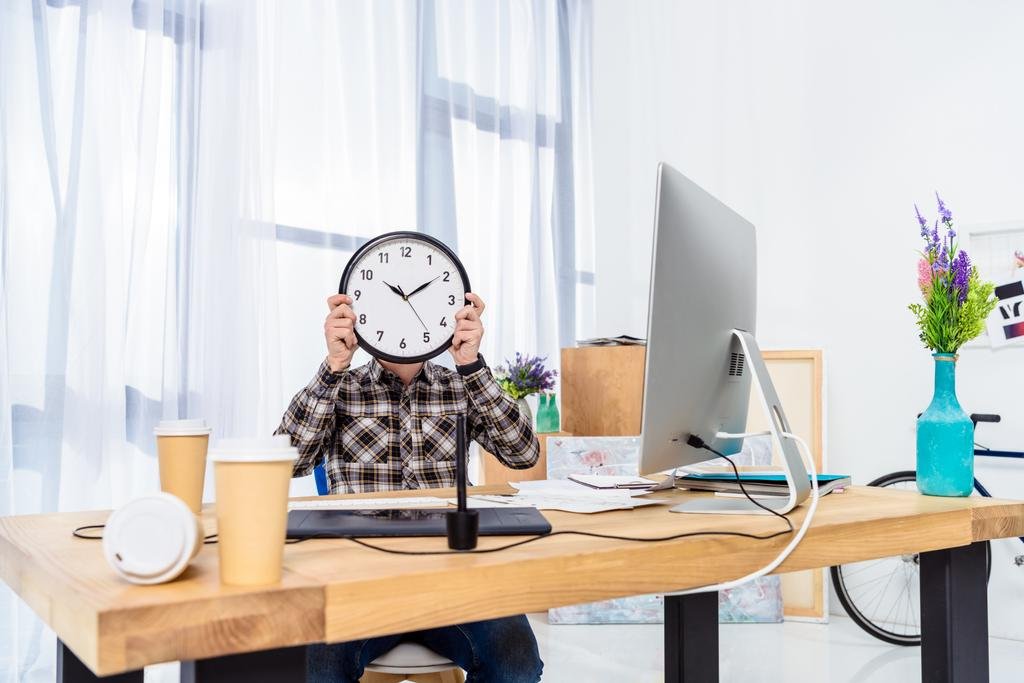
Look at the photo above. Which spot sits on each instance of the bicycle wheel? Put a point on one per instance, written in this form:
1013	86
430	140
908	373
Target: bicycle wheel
883	596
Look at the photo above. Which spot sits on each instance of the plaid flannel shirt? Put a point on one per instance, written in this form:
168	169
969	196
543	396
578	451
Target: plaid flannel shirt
372	433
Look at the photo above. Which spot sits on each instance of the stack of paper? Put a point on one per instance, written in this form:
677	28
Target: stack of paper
621	340
756	483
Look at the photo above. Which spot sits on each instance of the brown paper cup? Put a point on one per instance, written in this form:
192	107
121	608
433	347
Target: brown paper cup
251	478
181	448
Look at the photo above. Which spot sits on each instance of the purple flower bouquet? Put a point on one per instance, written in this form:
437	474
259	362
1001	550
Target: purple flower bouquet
524	376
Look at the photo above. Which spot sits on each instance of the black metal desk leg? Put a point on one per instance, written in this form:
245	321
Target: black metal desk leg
691	638
284	665
954	615
71	670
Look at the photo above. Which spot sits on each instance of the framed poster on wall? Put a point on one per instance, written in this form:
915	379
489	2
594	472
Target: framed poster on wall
998	252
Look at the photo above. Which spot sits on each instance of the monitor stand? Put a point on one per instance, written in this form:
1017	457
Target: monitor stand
792	463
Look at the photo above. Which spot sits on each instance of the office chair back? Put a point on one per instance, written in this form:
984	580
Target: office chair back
320	477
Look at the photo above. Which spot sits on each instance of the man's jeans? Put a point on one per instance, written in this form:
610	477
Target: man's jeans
493	651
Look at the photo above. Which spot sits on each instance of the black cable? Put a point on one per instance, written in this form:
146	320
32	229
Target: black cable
567	532
77	533
694	441
697	442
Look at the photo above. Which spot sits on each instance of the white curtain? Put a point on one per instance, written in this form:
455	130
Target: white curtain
466	120
181	183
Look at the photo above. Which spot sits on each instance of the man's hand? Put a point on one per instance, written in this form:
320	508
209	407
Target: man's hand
339	331
468	331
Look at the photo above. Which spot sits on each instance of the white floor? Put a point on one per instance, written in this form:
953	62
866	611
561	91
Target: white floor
749	653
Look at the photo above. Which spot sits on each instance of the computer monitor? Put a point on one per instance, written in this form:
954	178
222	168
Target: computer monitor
701	351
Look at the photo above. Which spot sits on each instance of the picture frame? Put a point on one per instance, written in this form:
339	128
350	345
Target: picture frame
992	248
799	379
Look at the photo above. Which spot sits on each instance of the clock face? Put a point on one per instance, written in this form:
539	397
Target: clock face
406	288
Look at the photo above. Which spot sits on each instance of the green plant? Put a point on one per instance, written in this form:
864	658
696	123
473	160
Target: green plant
956	300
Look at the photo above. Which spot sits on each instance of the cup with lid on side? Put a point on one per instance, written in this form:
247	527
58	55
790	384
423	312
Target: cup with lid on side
181	448
251	477
151	539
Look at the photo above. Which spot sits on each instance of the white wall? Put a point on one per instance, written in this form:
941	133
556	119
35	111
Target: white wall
823	123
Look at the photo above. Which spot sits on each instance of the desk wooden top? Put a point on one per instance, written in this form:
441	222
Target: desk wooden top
334	590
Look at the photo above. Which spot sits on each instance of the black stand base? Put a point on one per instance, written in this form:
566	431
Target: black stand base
463	526
264	666
71	670
691	638
954	615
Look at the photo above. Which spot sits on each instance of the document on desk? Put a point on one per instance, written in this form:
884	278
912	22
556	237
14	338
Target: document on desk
566	496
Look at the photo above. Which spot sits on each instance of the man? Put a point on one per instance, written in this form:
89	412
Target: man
390	426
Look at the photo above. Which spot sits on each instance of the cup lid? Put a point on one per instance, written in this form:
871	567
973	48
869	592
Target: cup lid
150	539
182	428
275	448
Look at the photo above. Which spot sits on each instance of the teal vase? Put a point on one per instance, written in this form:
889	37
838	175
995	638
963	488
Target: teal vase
945	438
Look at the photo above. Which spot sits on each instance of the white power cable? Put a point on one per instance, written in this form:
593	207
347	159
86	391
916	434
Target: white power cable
771	566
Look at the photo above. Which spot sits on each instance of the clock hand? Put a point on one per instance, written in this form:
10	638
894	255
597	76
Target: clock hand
422	287
396	290
417	314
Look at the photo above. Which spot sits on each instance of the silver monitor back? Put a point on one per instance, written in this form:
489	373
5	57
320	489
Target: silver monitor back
703	286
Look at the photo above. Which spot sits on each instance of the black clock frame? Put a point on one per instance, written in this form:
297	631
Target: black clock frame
387	237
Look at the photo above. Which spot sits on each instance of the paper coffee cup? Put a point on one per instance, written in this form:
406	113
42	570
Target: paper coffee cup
151	539
181	448
252	478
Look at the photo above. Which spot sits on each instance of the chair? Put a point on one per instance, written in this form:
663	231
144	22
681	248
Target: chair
412	662
406	661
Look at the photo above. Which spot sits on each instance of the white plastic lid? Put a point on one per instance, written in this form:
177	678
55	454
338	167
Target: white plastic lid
182	428
275	448
150	539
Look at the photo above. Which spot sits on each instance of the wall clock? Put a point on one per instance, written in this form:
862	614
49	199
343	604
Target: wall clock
406	288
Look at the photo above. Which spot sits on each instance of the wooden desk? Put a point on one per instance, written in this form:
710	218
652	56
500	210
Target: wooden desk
334	590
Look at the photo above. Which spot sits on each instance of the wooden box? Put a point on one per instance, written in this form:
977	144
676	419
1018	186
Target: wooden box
602	390
494	472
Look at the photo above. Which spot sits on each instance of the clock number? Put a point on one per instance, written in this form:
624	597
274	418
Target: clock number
406	252
366	274
446	274
358	294
426	337
451	299
380	334
362	318
402	343
444	322
430	259
383	256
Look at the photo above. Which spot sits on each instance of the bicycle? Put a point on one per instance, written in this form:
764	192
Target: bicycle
884	599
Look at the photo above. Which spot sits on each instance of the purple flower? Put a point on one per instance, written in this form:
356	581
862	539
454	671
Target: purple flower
924	223
935	237
526	375
943	260
944	213
961	275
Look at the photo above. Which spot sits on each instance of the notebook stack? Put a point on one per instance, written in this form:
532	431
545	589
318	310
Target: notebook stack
756	483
